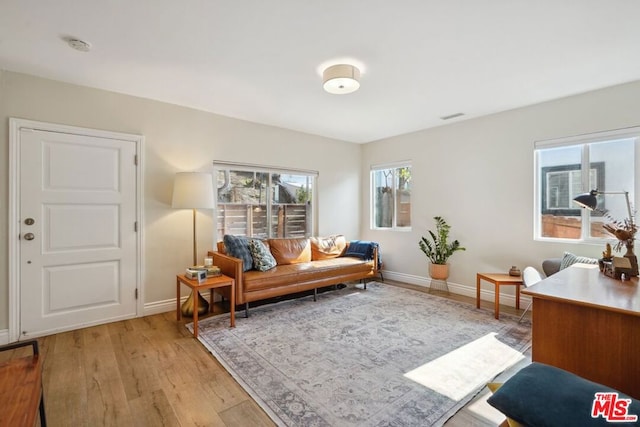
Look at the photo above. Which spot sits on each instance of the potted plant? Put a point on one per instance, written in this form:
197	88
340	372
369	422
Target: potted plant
438	249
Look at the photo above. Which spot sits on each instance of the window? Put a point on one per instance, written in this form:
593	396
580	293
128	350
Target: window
391	196
263	202
561	165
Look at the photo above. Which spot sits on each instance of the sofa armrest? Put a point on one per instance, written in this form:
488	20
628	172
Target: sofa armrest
231	267
376	266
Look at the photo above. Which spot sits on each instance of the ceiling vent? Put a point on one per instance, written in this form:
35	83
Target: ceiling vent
451	116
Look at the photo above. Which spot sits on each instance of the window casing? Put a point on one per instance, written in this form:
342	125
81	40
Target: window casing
264	202
391	196
610	159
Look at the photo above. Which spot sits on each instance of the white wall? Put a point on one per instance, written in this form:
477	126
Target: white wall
178	139
478	175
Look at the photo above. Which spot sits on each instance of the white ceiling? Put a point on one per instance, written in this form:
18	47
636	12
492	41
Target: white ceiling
262	60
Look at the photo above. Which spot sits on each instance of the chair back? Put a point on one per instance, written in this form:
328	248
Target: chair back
530	276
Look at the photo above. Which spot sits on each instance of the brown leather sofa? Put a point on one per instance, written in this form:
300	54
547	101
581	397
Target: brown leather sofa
301	266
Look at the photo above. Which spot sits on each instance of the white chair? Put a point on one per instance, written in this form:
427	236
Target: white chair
530	276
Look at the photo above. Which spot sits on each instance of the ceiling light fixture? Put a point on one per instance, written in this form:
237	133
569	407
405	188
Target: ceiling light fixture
341	79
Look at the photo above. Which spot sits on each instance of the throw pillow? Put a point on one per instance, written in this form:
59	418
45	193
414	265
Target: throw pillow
494	387
543	395
290	251
262	258
238	247
327	247
569	259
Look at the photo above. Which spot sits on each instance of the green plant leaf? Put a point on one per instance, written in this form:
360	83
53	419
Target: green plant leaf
436	245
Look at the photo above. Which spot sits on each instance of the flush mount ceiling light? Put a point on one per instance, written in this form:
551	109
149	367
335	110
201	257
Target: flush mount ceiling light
341	79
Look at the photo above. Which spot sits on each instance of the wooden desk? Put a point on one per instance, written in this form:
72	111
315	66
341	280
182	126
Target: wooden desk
589	324
210	283
498	279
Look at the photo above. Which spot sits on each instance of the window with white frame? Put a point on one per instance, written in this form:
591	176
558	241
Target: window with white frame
263	202
568	167
391	196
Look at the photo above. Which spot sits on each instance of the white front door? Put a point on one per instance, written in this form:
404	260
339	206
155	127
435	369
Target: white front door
78	246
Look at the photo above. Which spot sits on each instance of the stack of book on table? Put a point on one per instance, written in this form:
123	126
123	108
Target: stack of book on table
210	271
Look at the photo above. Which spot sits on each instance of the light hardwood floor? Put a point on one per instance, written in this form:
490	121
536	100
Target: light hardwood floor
151	372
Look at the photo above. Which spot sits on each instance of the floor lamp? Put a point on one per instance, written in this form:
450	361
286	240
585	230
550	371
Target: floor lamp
193	190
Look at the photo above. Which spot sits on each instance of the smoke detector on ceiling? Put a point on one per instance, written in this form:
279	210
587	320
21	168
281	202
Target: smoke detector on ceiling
78	44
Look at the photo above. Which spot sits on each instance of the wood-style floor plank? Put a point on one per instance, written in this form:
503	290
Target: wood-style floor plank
64	384
153	410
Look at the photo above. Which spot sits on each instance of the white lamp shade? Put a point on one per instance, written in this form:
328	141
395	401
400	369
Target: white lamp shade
193	190
341	79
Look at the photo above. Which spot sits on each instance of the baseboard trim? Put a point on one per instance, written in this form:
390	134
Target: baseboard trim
457	288
158	307
164	306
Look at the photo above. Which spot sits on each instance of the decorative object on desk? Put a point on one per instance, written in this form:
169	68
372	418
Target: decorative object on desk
438	249
620	268
187	306
208	261
193	190
623	230
514	271
606	256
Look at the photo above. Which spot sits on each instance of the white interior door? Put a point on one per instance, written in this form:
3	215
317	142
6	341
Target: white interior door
78	246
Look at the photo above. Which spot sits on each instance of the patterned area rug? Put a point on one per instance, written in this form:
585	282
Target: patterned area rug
341	361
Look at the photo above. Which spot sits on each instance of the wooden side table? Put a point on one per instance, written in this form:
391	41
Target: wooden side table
210	283
498	279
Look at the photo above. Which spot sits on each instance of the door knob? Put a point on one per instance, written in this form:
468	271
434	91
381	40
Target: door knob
29	221
29	236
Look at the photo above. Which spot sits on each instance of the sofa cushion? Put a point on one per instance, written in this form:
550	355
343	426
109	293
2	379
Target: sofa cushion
262	258
292	274
327	247
569	259
290	251
238	247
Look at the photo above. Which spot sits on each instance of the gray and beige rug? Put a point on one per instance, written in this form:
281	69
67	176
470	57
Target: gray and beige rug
384	356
